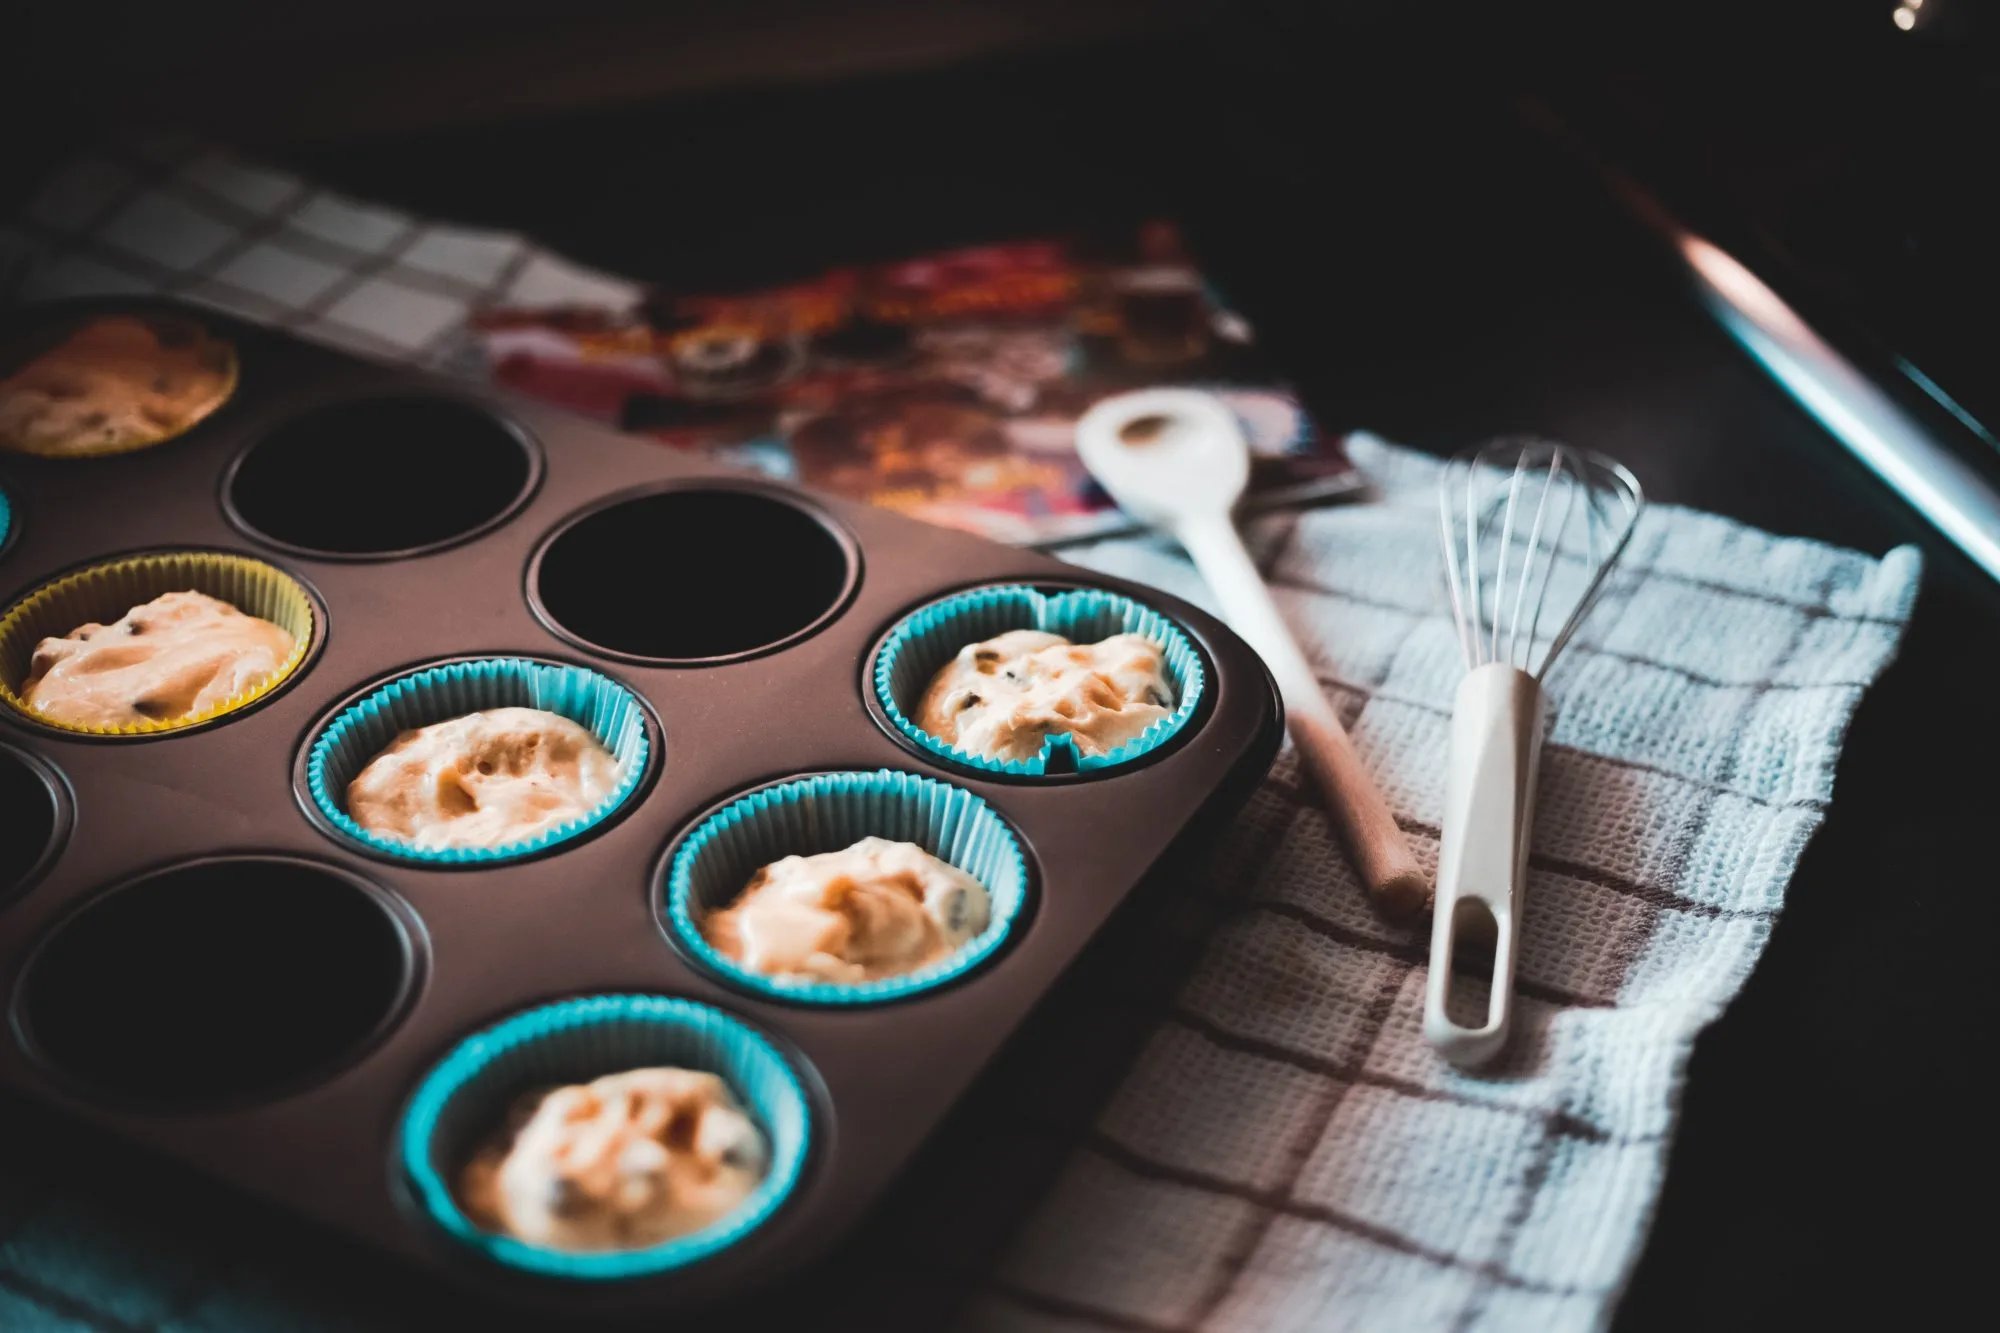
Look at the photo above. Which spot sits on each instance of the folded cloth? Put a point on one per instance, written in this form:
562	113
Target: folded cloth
179	217
1285	1153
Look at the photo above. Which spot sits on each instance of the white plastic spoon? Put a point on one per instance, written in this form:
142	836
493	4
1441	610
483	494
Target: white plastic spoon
1177	459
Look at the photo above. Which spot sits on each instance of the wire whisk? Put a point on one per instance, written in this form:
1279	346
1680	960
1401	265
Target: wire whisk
1514	517
1528	528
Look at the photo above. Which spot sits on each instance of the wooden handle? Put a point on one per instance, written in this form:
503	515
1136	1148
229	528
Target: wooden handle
1367	826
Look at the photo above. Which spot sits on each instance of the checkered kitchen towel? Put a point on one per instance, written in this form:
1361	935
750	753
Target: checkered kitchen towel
1286	1153
169	215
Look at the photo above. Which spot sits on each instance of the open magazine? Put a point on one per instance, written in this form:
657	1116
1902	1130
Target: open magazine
945	386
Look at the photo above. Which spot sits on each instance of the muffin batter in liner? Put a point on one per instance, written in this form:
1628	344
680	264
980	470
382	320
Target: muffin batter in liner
181	341
826	813
925	641
469	1092
104	592
362	730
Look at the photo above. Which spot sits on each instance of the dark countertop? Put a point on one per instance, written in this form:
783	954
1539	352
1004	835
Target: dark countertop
1426	265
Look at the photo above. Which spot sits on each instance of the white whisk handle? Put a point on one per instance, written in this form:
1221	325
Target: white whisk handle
1489	806
1380	853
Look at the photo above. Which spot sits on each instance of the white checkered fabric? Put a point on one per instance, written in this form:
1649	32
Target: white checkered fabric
1288	1153
181	219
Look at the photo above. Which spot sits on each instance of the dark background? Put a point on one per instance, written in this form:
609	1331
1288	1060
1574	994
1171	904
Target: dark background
1408	207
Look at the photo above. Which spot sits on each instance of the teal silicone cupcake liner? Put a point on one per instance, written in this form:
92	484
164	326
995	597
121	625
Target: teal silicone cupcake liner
469	1092
827	813
364	729
6	518
923	642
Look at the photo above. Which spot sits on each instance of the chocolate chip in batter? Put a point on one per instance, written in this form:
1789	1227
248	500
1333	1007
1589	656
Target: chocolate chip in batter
680	1128
567	1197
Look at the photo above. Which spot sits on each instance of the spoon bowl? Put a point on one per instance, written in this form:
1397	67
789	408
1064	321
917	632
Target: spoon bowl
1166	454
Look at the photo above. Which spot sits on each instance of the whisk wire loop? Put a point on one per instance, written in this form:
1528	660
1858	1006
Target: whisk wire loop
1529	495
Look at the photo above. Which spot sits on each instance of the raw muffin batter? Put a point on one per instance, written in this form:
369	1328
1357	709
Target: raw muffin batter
179	654
620	1163
876	909
483	780
1001	698
117	382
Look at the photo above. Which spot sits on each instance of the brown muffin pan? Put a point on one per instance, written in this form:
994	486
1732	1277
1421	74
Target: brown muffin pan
192	963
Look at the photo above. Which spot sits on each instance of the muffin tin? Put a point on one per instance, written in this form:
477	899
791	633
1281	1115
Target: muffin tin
196	958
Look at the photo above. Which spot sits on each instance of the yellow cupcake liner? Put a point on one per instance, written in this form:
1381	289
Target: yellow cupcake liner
232	372
104	592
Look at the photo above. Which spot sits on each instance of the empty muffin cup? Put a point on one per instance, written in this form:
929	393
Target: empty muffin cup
381	477
469	1093
102	593
361	730
693	574
217	982
925	641
830	812
36	805
111	382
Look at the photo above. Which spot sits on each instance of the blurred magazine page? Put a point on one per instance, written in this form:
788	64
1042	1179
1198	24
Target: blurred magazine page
946	386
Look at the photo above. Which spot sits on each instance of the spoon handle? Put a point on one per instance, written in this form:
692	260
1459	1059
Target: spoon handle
1368	827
